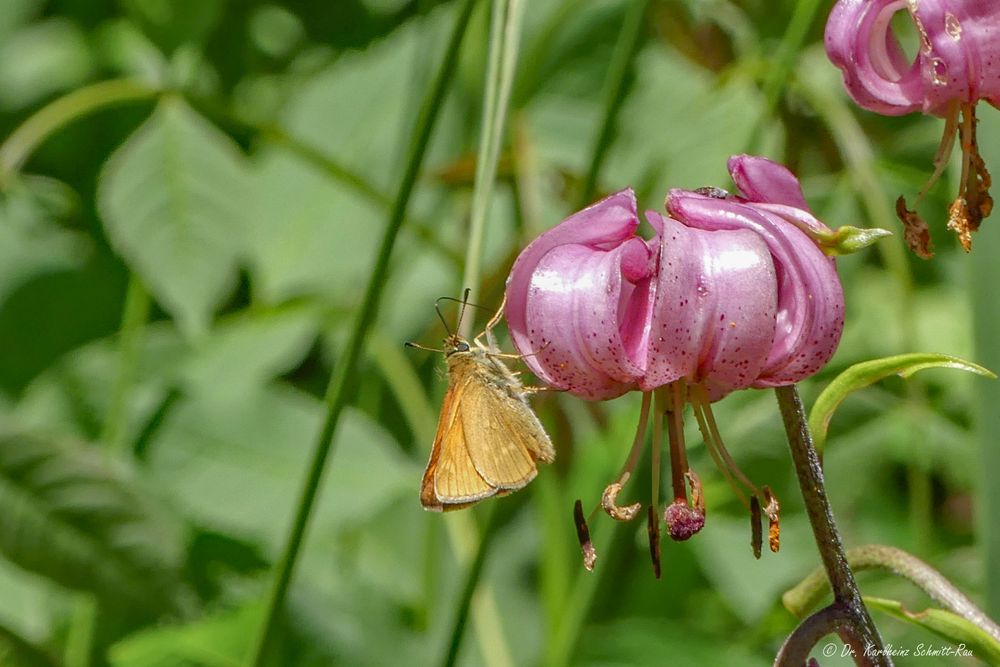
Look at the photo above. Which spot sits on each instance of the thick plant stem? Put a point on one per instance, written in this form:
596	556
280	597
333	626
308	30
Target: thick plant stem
338	389
831	549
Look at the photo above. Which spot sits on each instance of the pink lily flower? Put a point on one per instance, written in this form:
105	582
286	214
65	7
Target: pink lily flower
958	64
732	291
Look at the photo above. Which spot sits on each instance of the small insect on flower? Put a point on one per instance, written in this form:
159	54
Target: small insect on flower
488	439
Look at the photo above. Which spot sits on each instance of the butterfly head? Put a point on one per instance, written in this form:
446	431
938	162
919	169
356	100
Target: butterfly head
454	344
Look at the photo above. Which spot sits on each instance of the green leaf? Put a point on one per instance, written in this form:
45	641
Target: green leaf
218	640
234	463
31	243
865	373
72	516
247	349
41	59
175	22
961	632
15	651
31	606
173	202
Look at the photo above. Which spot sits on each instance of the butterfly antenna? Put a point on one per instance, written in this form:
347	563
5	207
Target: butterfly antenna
437	309
418	346
461	312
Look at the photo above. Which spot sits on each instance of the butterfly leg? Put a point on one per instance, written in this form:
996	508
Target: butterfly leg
537	389
491	340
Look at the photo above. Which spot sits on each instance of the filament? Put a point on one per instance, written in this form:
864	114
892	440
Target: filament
713	450
658	418
638	443
943	153
675	434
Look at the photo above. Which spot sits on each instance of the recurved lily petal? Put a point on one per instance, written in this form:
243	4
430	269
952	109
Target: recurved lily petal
810	300
714	311
578	301
958	59
766	181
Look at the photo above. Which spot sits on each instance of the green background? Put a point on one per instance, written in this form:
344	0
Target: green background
178	272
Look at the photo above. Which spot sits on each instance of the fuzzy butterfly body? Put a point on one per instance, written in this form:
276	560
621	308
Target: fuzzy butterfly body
488	439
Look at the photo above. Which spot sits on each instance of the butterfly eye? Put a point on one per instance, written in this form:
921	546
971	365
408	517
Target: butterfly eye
462	347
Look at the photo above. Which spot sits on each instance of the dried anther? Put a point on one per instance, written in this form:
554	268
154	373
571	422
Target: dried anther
974	202
697	495
610	499
583	534
773	511
916	233
653	530
756	533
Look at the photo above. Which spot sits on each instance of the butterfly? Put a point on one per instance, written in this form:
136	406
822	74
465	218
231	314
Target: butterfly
488	439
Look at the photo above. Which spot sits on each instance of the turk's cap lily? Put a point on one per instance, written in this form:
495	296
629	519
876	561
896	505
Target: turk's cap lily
731	292
958	57
957	65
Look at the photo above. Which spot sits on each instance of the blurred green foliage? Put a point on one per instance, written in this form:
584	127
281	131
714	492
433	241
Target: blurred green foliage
177	272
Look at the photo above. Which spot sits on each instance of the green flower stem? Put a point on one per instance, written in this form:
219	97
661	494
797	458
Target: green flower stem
341	381
134	317
505	36
16	149
614	92
831	549
813	589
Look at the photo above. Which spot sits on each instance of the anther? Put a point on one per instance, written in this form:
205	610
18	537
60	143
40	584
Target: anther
583	534
609	501
756	536
773	511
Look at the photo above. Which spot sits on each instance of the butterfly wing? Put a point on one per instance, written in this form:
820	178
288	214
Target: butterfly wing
451	481
504	437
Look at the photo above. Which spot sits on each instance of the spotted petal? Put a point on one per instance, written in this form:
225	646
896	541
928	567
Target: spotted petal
578	299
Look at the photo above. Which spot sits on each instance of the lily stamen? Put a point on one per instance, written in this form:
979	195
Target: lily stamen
759	497
609	500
